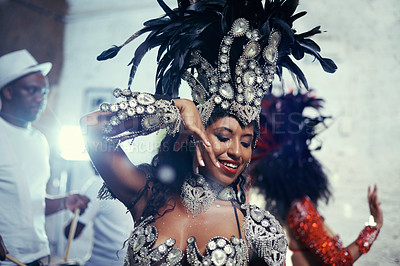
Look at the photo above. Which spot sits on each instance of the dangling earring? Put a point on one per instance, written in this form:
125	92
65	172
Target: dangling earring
246	167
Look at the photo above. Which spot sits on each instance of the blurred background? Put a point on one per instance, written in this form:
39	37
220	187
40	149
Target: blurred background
360	148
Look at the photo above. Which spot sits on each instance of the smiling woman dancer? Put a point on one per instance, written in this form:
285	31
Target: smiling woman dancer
228	52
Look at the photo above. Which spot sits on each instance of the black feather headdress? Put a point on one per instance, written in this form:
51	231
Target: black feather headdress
199	26
284	168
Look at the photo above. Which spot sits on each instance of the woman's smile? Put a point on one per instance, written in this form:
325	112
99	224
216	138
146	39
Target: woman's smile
230	166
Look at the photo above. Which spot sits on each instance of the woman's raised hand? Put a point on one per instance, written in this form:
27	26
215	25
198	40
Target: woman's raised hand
193	127
375	206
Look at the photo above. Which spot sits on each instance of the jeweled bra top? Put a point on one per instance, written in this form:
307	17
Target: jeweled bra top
263	233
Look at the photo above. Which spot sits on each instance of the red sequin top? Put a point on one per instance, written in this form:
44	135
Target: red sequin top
308	227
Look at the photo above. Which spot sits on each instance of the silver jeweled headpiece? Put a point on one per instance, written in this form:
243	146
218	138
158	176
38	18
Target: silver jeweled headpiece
239	94
228	52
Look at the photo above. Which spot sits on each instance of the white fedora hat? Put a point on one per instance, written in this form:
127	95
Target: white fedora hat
19	63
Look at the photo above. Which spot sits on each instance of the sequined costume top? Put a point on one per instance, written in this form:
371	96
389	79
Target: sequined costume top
308	226
263	233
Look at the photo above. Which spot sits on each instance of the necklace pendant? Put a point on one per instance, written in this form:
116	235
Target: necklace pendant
198	195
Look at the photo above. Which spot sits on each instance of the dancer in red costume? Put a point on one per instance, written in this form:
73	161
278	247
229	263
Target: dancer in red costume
293	181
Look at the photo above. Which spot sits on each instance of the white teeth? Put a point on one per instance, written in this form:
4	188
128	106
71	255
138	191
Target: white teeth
230	165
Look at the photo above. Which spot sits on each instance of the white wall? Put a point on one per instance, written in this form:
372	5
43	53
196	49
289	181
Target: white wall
361	147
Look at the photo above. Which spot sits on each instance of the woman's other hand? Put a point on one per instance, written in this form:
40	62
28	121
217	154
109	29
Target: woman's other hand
193	127
375	206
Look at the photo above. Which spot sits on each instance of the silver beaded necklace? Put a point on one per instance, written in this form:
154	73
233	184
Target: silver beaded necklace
198	194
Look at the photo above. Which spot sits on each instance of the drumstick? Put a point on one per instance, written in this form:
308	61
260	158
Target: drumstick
71	232
15	260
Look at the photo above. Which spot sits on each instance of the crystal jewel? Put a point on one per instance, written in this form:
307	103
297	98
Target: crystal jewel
122	115
221	243
162	248
248	34
130	111
174	256
275	38
270	54
145	99
123	105
218	257
226	91
117	92
249	78
249	94
228	40
170	242
156	255
256	214
140	109
235	240
239	27
225	104
104	107
213	88
138	243
151	121
132	103
252	64
224	67
223	58
114	107
252	50
150	109
228	249
212	245
281	243
114	121
126	92
225	77
198	94
255	34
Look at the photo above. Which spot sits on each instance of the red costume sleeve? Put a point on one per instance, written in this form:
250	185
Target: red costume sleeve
308	227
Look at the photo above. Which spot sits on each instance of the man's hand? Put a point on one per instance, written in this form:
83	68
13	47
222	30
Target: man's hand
76	201
3	250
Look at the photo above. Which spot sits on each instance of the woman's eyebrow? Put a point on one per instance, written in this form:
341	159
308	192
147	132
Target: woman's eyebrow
222	128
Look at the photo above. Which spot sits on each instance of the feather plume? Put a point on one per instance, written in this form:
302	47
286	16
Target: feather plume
199	26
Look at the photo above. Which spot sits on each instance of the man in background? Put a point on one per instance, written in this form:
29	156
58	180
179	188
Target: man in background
111	226
24	162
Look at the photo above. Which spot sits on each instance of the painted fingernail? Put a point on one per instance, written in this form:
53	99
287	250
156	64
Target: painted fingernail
219	166
208	143
202	163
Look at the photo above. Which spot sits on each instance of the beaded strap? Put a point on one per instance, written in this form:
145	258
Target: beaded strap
153	114
365	239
